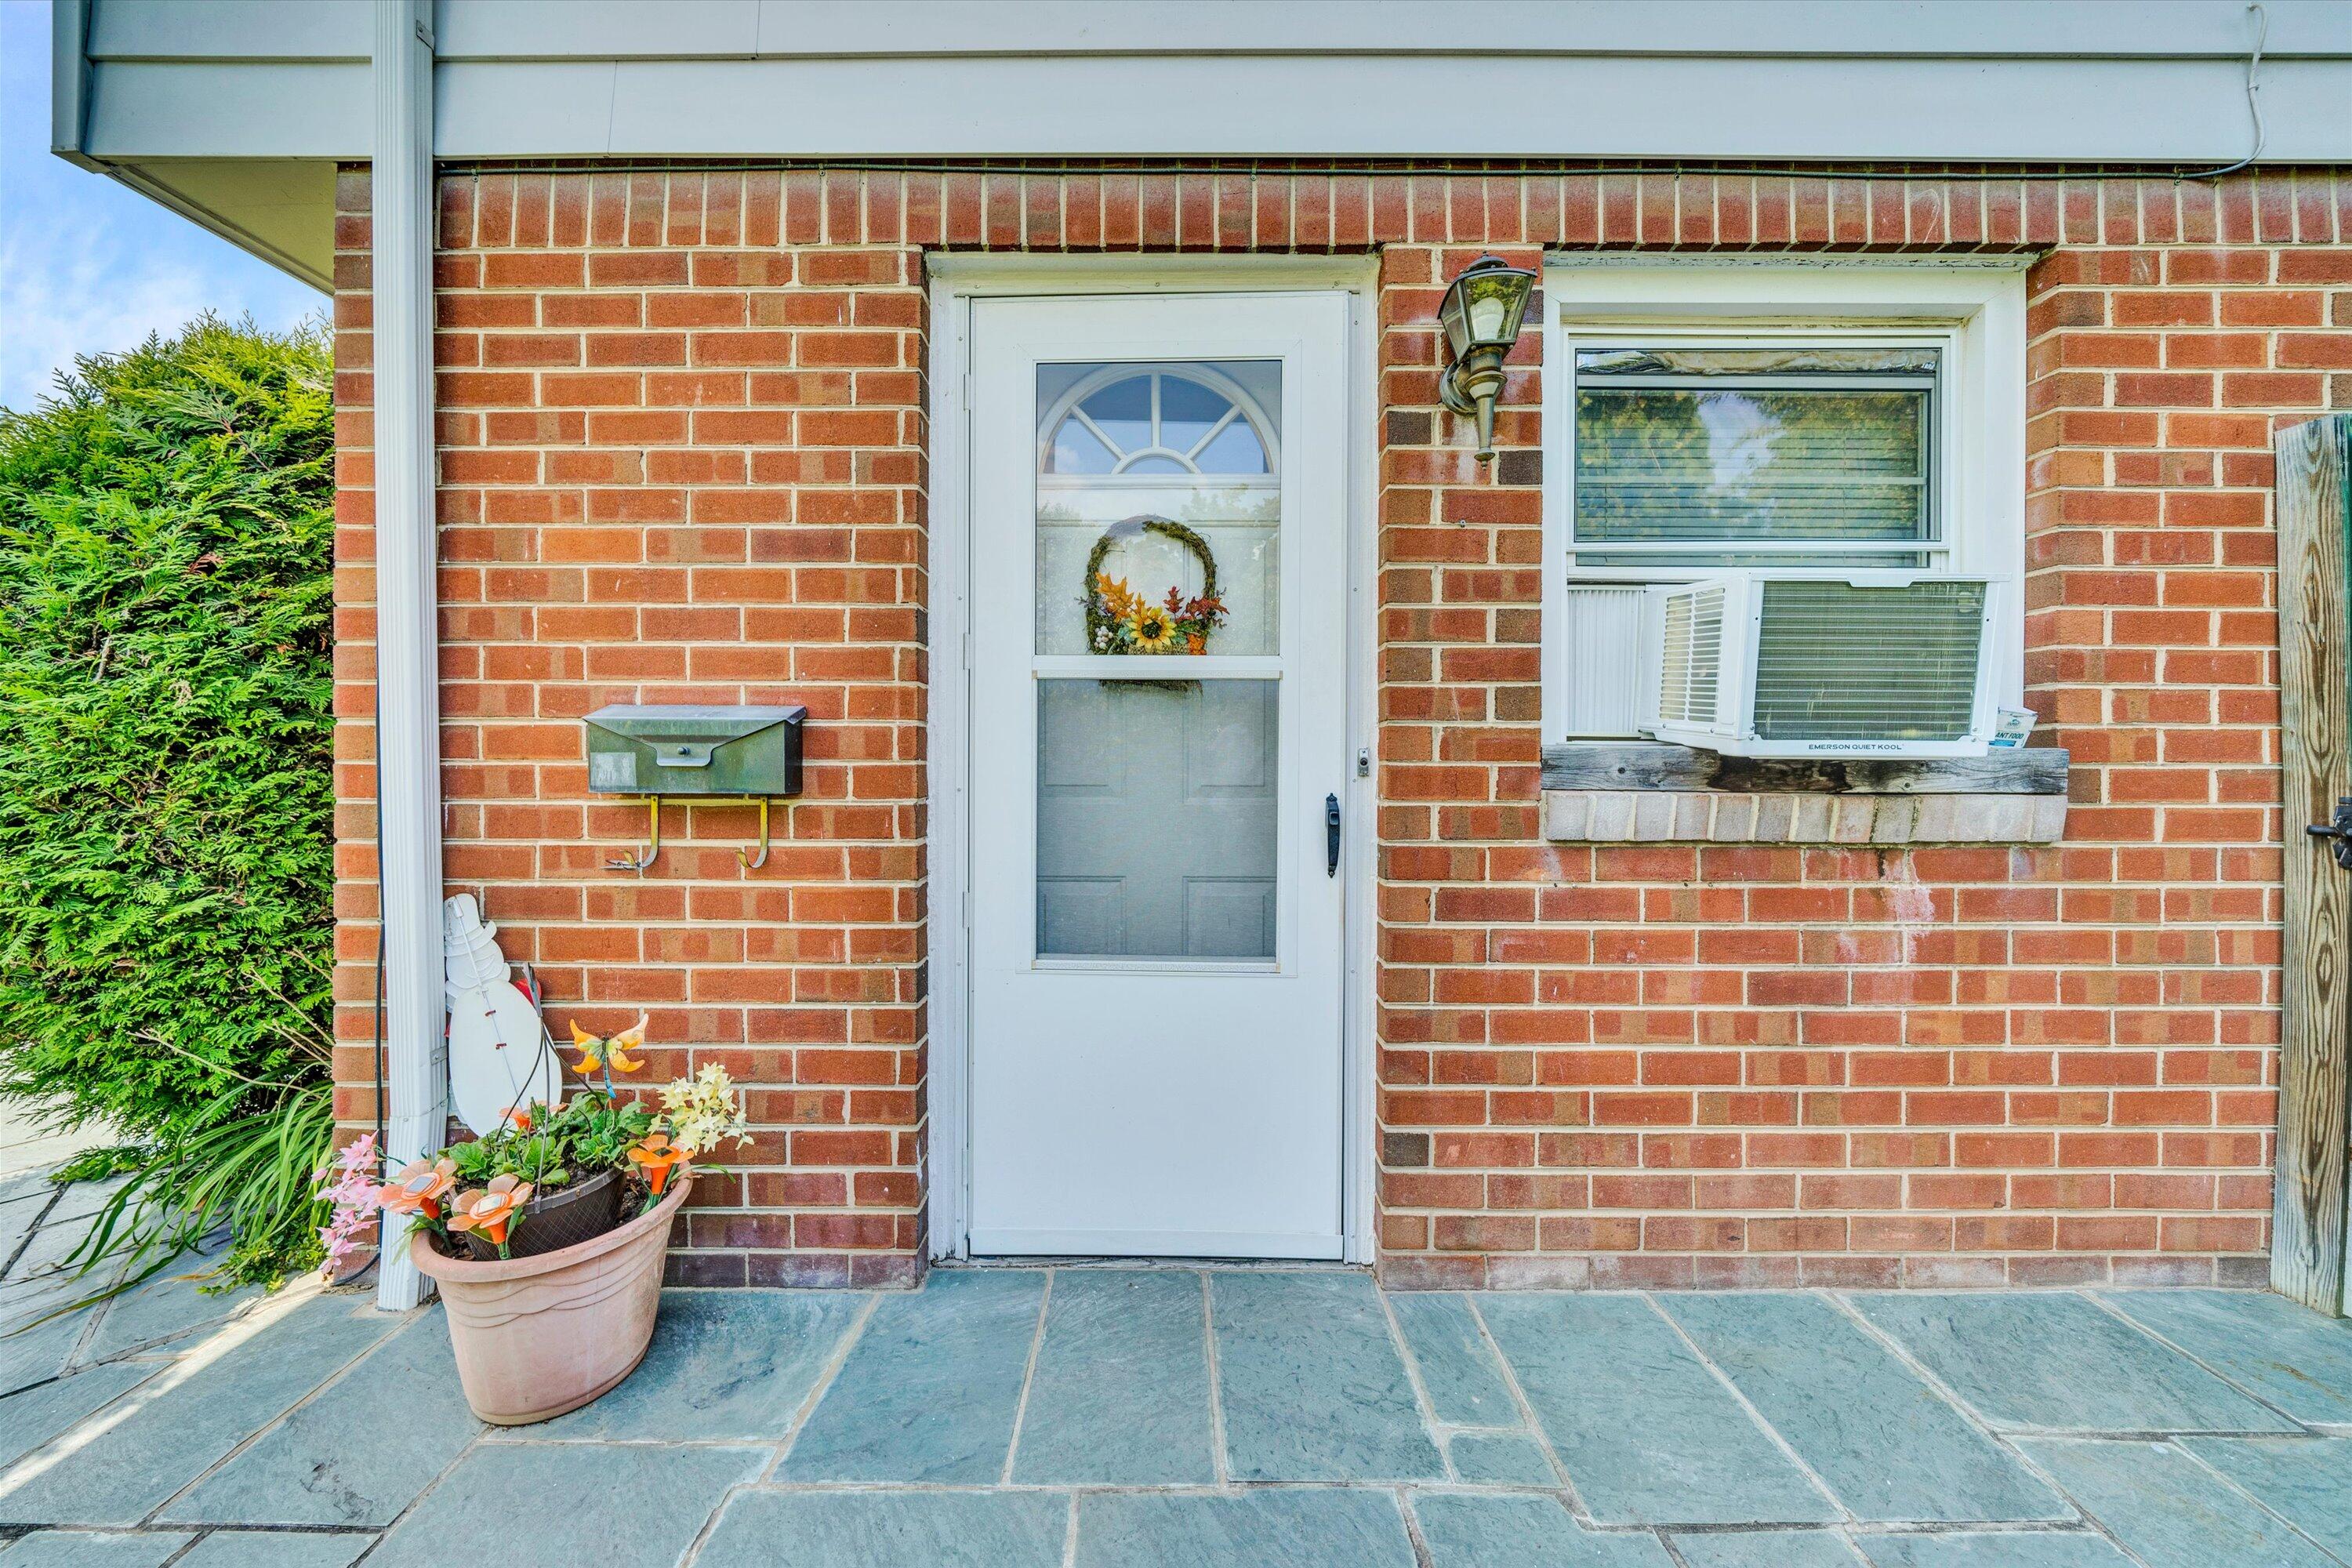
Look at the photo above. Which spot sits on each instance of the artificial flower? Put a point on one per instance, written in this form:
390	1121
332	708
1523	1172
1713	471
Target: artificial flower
1155	630
418	1187
655	1155
491	1209
705	1110
597	1053
347	1184
588	1046
1120	602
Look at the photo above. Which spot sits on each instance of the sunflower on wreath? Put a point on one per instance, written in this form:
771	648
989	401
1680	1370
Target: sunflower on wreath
1119	620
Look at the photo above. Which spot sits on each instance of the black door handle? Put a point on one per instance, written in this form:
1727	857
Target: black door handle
1331	835
2341	830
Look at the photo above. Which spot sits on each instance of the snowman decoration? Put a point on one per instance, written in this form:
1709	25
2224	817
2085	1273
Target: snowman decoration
500	1056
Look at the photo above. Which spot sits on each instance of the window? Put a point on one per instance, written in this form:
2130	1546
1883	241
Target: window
1707	418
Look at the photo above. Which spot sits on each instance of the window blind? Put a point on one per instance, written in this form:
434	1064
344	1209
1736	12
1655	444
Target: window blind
1827	455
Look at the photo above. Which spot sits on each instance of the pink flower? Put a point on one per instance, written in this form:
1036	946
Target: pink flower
347	1181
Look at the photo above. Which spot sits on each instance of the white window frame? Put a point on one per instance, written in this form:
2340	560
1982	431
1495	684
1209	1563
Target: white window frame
1972	310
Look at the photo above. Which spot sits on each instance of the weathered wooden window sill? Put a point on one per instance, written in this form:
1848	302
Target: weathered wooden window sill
1646	792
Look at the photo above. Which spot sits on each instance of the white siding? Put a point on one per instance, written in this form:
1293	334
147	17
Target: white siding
2116	80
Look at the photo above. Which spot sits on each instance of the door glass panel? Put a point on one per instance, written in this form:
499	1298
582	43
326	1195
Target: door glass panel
1157	818
1162	478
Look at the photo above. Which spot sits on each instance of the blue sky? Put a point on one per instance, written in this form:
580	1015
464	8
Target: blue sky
88	265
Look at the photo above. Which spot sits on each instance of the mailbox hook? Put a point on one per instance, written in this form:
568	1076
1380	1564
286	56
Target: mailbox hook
753	862
653	835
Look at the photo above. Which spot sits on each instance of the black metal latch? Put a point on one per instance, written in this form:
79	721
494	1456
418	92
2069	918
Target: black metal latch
1331	835
2341	830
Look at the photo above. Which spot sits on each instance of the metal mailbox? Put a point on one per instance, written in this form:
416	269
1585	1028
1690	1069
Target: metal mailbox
693	749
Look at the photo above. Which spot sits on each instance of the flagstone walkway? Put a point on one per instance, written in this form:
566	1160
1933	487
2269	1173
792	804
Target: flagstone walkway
1108	1418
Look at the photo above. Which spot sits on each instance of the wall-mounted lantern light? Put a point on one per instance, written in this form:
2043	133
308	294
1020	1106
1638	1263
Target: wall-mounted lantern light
1483	307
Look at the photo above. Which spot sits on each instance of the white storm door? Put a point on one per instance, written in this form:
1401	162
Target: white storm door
1156	942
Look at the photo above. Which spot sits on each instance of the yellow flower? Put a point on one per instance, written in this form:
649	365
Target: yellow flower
1155	630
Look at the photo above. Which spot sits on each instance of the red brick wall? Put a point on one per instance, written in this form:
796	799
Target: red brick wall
682	461
683	432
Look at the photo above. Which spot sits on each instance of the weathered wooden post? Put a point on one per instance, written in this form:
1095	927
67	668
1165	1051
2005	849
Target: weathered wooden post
2314	545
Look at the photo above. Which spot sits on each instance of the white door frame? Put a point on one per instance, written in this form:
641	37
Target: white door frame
955	281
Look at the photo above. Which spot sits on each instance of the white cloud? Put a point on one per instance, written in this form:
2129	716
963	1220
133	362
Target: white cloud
61	303
87	266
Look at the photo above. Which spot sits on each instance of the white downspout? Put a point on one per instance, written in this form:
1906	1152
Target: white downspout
407	732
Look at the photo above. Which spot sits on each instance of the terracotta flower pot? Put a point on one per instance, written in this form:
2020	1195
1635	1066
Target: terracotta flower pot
538	1336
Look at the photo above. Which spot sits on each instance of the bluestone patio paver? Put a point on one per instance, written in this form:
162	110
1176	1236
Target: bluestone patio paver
723	1365
1646	1433
89	1549
1458	1369
1303	1527
46	1253
182	1428
1993	1549
563	1505
889	1530
1120	1393
1500	1459
932	1390
276	1548
290	1437
26	1300
1514	1530
1311	1383
31	1417
309	1469
1888	1446
1767	1549
164	1308
2306	1480
31	1355
2054	1360
2281	1352
22	1201
2169	1510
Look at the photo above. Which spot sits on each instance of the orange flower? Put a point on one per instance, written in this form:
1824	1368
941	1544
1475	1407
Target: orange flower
418	1187
595	1053
491	1209
655	1156
587	1045
519	1116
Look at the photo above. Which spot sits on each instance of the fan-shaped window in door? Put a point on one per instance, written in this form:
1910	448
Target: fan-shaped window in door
1145	421
1193	444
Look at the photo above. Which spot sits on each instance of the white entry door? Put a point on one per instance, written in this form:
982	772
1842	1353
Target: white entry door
1156	942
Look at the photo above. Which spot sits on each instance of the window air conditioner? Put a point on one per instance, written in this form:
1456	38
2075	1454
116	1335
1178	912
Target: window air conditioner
1855	664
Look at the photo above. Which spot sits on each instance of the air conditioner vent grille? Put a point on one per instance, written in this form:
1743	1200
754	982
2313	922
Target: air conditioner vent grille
1838	661
1690	667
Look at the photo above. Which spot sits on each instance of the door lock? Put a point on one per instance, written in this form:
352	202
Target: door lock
1331	835
2339	829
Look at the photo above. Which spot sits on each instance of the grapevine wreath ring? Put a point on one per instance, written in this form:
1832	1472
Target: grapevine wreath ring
1119	621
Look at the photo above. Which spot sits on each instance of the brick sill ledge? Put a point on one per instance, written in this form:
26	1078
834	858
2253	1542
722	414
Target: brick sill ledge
1646	792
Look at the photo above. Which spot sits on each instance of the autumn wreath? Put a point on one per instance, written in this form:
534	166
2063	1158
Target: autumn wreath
1121	620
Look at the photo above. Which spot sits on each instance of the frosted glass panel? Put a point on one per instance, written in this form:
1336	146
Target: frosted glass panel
1157	818
1172	472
